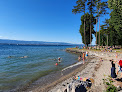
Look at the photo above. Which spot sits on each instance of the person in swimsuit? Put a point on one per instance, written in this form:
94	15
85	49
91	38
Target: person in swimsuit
86	54
79	58
83	57
59	59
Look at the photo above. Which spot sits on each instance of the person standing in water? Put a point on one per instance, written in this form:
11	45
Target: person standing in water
83	57
79	58
59	59
86	54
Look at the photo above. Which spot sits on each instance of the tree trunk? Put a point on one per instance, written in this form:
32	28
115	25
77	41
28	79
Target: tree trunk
90	31
84	29
96	33
90	24
96	27
84	33
107	39
102	41
99	32
99	27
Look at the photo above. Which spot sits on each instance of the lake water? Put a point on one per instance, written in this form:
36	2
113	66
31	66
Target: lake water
16	71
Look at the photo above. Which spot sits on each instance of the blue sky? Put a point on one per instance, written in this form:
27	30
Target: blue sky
40	20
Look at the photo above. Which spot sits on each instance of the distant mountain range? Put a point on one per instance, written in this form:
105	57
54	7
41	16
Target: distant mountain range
20	42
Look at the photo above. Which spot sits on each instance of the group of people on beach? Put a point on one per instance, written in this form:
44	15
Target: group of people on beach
84	56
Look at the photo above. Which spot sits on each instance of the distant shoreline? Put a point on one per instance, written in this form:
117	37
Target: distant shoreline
38	43
34	45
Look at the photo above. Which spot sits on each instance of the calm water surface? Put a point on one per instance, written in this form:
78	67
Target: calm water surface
16	71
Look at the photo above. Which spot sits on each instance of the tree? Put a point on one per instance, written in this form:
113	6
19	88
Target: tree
91	5
88	21
109	34
116	17
96	21
113	36
105	28
101	6
80	8
102	36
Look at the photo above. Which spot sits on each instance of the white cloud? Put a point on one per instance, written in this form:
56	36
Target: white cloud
2	37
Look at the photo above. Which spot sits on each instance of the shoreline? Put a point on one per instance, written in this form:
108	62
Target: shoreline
92	68
95	69
85	72
44	84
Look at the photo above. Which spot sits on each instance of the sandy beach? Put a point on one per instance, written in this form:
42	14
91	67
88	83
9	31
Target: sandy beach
93	68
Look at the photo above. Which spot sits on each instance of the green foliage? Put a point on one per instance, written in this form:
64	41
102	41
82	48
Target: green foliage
87	27
114	37
109	86
102	6
80	7
103	38
107	83
116	18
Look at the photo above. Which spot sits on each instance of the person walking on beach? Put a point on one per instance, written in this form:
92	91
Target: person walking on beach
113	73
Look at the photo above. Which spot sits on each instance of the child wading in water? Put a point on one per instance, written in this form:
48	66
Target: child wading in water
79	58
